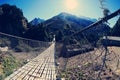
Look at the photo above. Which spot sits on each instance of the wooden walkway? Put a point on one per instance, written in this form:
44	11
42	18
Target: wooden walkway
40	68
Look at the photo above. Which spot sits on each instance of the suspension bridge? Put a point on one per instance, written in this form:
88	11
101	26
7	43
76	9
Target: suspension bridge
40	68
43	66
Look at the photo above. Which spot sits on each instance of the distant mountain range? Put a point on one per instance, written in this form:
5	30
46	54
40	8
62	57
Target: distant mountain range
77	19
65	24
36	21
90	19
12	21
82	20
61	20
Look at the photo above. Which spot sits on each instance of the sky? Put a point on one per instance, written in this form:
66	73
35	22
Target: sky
46	9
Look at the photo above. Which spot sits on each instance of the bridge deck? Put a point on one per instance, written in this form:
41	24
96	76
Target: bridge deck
40	68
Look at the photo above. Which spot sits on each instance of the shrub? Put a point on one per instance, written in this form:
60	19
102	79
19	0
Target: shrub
9	64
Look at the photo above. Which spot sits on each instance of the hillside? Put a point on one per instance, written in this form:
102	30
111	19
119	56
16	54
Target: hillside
86	66
63	25
12	20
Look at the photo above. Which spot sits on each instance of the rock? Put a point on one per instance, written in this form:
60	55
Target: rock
4	49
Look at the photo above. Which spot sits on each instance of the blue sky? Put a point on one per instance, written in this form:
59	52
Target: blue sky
46	9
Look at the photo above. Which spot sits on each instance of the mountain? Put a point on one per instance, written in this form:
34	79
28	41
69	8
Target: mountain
71	17
36	21
12	20
116	29
63	25
64	21
90	19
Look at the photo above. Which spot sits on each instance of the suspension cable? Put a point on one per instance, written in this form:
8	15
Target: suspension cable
21	37
97	23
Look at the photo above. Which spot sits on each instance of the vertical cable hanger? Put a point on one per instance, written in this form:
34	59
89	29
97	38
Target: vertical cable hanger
106	12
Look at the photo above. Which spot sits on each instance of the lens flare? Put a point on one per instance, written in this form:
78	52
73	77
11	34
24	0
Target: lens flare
71	4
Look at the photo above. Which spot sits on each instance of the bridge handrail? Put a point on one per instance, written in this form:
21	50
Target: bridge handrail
21	37
98	22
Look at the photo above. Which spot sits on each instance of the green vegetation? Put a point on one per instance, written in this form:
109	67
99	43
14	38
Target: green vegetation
22	47
4	41
8	63
71	74
38	33
15	23
12	20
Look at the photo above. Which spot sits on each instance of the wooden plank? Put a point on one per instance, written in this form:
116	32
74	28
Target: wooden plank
40	68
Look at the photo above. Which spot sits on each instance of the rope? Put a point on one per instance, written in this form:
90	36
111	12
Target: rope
22	38
101	58
97	23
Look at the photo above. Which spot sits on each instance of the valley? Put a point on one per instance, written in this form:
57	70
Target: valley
77	55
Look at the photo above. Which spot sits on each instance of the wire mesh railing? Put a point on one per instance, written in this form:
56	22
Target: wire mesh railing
16	51
102	62
90	64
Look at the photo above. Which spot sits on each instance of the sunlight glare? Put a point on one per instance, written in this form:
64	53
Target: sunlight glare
71	4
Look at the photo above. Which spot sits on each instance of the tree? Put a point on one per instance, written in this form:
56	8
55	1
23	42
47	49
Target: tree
12	20
59	35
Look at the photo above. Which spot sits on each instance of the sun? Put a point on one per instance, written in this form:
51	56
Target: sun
71	4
